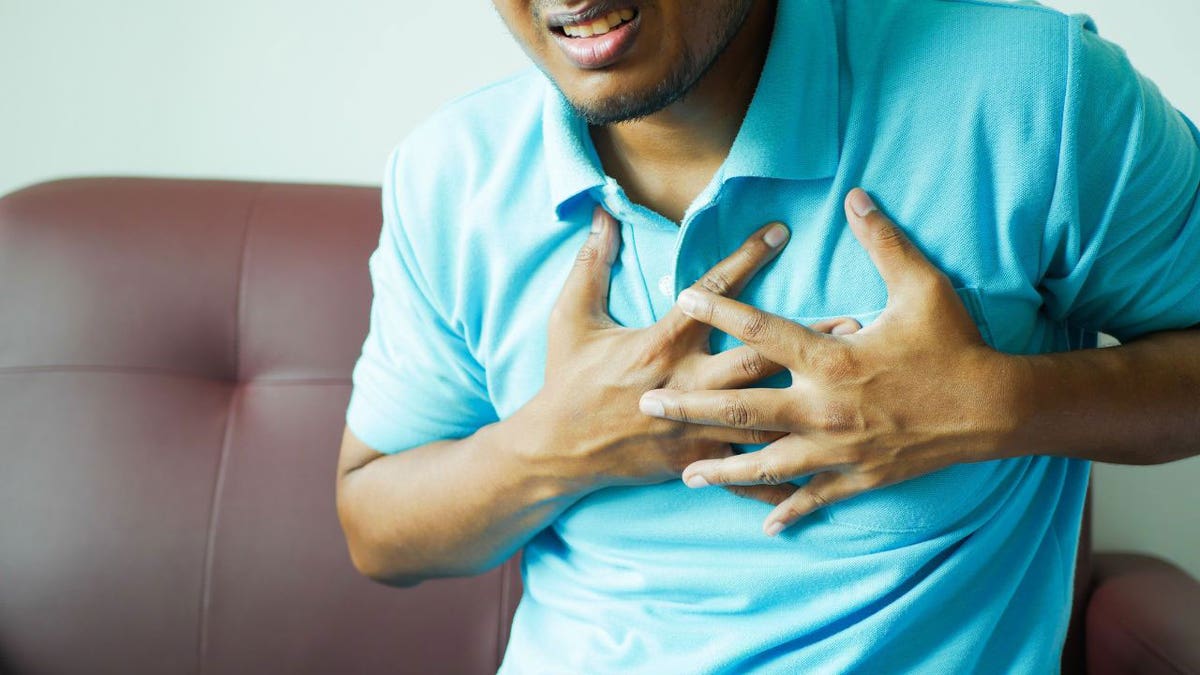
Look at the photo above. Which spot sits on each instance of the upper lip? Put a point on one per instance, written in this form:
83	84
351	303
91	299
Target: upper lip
591	12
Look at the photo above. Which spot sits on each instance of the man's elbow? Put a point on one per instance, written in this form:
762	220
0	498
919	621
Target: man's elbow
372	558
369	566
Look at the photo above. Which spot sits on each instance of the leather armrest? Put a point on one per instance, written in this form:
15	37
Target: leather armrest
1143	616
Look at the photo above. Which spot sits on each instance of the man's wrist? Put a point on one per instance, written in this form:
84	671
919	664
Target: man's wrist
1005	410
1044	397
534	438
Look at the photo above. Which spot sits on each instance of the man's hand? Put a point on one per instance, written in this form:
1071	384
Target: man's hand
916	391
596	371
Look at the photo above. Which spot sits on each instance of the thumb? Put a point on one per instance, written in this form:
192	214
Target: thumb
584	296
898	260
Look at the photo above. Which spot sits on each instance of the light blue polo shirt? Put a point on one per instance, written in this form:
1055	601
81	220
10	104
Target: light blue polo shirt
1024	156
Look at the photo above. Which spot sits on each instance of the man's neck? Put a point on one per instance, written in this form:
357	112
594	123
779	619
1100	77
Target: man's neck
664	160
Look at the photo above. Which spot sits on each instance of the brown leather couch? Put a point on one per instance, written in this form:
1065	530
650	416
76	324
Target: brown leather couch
174	370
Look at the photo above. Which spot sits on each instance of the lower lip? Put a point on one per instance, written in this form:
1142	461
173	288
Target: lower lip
600	51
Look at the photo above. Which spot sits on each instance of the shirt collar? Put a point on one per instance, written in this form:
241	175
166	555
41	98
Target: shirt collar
790	130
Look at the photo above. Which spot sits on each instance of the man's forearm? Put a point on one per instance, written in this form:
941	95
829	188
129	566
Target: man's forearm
450	508
1138	403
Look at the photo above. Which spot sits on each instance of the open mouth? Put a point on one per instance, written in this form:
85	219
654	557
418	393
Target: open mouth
598	26
598	37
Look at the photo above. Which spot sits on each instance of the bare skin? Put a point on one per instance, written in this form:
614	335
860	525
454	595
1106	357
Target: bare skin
581	433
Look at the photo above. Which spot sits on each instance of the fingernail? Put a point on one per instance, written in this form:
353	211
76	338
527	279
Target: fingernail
776	235
773	529
697	481
688	301
652	405
861	203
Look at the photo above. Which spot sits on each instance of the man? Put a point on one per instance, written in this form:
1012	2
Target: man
924	476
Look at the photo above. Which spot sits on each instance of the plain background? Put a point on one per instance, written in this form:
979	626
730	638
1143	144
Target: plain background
320	91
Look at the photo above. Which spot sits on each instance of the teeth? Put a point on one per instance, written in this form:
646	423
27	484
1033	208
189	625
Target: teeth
599	26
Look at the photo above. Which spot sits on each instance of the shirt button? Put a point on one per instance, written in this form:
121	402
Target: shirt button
666	286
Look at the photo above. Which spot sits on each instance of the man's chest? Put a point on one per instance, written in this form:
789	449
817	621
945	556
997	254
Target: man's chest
823	272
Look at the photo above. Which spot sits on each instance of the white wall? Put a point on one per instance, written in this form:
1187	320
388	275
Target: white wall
320	91
272	89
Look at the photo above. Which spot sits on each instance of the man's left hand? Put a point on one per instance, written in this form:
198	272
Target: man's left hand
914	392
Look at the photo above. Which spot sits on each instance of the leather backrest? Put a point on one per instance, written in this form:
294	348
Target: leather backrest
174	371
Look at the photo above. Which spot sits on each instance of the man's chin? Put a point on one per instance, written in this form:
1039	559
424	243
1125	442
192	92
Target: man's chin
622	107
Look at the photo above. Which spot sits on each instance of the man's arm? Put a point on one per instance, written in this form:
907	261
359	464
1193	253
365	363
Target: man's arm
459	507
406	520
1137	403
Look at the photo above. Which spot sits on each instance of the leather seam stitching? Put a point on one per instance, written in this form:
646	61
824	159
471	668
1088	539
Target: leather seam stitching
211	535
163	372
251	212
226	440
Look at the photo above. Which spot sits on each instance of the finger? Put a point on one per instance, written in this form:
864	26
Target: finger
584	297
840	326
735	368
742	366
824	489
730	276
766	409
780	340
767	494
899	261
729	435
787	459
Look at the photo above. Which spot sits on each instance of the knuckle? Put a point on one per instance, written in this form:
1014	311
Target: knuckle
587	256
755	325
752	364
887	235
835	363
735	413
749	255
716	281
767	473
818	499
839	417
676	412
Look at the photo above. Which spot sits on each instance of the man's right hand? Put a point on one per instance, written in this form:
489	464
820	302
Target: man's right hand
596	371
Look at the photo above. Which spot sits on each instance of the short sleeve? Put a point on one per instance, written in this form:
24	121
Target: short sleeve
1121	253
415	380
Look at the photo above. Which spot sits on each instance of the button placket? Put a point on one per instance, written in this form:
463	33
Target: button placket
643	235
